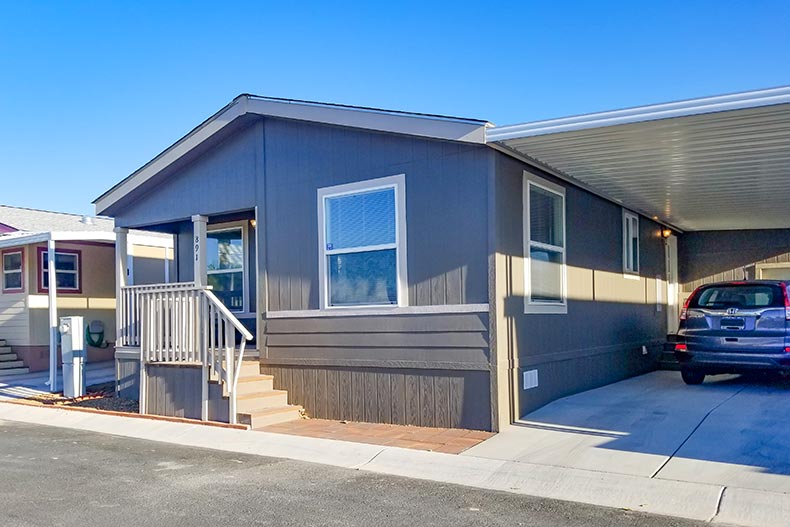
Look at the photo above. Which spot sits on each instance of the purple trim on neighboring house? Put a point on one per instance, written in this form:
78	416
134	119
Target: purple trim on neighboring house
5	229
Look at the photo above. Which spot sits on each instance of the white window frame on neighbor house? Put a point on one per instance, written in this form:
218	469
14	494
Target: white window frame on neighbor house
630	232
43	269
227	227
20	271
398	184
541	306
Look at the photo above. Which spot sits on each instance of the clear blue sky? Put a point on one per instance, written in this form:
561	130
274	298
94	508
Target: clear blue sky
90	91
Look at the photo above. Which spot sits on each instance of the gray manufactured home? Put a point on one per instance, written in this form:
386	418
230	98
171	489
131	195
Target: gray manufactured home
407	268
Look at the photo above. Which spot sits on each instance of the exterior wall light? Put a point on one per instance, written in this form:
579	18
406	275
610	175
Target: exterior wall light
666	233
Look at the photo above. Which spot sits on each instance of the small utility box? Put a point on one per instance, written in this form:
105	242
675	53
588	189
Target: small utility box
72	346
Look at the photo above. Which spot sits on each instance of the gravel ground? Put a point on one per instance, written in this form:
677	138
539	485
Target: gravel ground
99	396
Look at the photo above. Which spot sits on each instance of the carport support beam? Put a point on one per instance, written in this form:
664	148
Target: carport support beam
52	293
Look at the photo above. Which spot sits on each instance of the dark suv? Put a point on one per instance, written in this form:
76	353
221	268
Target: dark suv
733	327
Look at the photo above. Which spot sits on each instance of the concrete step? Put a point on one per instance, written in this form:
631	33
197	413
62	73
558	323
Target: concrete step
250	367
270	416
3	343
8	356
253	384
261	400
11	364
5	349
14	371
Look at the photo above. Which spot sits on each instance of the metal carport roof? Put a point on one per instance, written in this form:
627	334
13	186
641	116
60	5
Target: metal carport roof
704	164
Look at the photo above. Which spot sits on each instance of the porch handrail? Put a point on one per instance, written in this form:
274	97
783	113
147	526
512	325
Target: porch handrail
189	324
128	310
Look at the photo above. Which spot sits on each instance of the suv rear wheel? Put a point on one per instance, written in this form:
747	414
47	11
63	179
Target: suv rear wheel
692	376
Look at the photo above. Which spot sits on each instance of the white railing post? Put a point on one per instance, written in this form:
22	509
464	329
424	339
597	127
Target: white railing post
121	275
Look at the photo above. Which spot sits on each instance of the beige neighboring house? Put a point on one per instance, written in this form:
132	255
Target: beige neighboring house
83	259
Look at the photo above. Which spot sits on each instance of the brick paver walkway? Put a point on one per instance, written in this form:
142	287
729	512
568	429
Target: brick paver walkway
447	440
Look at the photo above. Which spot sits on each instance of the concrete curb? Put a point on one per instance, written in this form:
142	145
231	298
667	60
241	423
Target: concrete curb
697	501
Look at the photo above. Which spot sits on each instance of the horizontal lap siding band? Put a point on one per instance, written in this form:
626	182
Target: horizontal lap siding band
465	322
383	340
449	355
377	364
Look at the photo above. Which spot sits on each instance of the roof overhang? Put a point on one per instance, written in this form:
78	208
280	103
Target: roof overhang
19	239
704	164
415	124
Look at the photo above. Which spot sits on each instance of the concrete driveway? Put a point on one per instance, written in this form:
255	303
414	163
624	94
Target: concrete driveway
730	431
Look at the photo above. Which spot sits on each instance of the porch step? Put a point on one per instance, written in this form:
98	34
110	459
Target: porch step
7	355
14	371
11	364
3	343
251	402
254	384
270	416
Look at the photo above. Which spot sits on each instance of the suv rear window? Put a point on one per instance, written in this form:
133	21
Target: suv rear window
740	296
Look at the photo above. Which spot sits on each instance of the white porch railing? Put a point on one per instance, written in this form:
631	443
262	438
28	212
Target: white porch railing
187	324
128	310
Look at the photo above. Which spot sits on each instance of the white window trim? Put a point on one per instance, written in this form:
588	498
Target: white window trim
398	182
44	270
530	307
20	271
631	272
234	226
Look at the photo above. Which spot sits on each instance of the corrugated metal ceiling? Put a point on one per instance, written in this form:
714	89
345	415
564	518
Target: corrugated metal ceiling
721	170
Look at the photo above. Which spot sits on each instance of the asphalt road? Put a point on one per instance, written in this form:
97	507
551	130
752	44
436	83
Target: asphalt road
59	477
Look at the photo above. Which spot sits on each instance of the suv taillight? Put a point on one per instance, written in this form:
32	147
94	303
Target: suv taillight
685	311
787	301
681	347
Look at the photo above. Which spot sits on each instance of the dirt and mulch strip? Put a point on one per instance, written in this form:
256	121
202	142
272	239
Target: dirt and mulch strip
98	397
101	399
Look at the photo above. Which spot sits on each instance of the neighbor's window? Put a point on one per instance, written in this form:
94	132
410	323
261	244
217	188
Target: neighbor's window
225	262
630	242
544	246
363	248
12	271
67	270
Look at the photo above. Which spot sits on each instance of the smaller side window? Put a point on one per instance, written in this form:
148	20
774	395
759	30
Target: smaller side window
630	242
13	275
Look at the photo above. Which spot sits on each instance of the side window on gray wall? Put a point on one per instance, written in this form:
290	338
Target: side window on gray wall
630	242
544	246
362	236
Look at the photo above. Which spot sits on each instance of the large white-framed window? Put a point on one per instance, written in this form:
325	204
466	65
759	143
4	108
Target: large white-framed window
545	272
13	271
362	244
630	242
226	263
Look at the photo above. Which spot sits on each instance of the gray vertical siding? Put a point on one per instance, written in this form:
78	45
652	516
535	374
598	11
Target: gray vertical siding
435	398
216	182
711	256
445	209
600	339
175	391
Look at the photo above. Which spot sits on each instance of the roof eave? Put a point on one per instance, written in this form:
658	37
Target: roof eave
421	125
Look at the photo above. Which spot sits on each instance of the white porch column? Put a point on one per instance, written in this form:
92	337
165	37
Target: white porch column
199	245
121	281
53	317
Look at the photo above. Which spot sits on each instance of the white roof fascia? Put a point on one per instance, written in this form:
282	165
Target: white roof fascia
436	127
83	236
720	103
23	239
150	241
